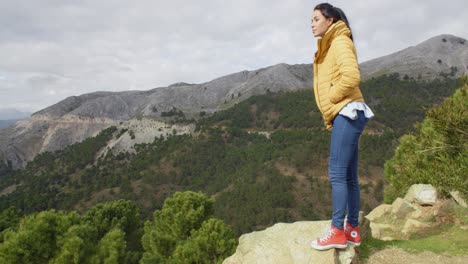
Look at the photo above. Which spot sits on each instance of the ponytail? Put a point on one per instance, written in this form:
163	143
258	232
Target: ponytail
329	11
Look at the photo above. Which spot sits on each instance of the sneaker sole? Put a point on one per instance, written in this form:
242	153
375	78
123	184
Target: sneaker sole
318	247
354	243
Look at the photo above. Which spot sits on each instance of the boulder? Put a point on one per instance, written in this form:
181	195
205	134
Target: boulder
382	231
416	214
288	243
419	210
413	226
422	194
404	216
379	212
401	208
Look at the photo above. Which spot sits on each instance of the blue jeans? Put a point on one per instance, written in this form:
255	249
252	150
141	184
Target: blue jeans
343	167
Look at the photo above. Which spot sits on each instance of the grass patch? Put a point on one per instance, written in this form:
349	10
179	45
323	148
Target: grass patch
448	240
451	241
461	213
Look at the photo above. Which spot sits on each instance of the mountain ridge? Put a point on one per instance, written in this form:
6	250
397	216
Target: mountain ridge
222	92
78	117
435	52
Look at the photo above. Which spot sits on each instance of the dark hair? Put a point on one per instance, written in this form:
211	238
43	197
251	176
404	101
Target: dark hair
329	11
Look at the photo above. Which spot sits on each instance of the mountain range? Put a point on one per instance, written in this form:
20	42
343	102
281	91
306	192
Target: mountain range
79	117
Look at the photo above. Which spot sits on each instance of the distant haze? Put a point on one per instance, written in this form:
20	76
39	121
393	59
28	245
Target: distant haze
11	114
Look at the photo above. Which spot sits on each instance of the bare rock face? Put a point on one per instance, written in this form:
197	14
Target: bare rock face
145	131
41	133
23	141
288	244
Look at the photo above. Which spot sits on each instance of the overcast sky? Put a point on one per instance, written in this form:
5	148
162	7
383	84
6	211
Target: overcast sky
52	49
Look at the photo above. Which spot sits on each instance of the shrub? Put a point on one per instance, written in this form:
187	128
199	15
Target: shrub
437	153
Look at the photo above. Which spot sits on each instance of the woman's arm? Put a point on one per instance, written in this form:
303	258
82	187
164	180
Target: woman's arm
345	56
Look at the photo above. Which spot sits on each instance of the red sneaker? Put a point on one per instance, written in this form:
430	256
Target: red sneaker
334	238
352	234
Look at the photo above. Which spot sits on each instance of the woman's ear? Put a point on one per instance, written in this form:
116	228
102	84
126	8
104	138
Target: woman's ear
329	21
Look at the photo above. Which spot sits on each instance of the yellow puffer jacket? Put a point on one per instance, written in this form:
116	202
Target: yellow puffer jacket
336	72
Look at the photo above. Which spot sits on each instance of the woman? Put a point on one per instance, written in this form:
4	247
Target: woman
337	93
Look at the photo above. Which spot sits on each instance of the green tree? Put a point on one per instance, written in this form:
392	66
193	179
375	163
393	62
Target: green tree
212	243
437	153
121	214
106	216
179	216
78	244
36	240
9	220
111	248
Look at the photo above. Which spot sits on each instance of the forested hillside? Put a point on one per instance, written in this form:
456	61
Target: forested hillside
263	160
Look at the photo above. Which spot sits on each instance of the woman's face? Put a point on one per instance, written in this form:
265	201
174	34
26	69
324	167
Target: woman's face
320	24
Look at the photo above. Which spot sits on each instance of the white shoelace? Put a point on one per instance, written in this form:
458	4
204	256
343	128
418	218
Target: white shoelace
328	235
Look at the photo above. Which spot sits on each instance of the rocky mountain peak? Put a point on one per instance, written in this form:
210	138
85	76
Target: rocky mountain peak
178	84
443	54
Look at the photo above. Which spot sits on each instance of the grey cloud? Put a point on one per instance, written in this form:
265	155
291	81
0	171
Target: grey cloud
42	80
52	49
383	27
